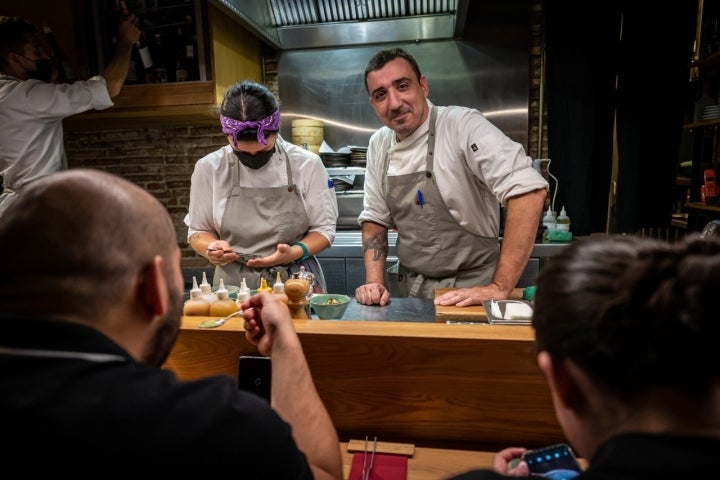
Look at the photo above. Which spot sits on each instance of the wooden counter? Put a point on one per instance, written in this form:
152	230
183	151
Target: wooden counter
473	387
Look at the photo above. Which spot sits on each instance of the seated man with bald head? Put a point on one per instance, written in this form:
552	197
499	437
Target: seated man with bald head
91	297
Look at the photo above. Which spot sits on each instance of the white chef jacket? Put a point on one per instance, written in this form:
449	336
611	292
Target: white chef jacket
476	167
211	183
31	131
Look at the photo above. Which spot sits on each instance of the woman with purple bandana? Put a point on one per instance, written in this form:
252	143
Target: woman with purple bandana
259	205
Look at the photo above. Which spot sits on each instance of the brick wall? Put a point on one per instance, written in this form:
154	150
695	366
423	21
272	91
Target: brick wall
160	160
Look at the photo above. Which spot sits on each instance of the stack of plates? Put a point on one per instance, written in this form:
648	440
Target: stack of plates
358	156
334	159
710	112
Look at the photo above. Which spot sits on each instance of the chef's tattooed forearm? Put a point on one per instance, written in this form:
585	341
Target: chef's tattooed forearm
379	244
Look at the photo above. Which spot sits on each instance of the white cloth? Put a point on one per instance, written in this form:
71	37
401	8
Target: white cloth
31	131
212	180
476	166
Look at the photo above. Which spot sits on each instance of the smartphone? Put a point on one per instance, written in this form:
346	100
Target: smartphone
556	462
255	375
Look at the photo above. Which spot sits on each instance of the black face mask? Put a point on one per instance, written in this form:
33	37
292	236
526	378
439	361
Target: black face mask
43	69
254	161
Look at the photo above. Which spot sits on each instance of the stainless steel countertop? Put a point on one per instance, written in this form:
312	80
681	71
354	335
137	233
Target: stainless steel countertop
349	244
398	310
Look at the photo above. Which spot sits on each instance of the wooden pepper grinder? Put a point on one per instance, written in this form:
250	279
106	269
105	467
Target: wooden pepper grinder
296	289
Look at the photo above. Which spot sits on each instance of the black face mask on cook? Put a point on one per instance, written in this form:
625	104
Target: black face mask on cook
254	161
43	69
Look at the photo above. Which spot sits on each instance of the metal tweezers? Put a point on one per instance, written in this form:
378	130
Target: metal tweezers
244	257
366	470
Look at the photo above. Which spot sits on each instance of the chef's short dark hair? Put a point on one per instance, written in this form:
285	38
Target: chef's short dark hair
15	32
382	57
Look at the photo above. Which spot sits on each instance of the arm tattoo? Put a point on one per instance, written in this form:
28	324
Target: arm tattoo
378	243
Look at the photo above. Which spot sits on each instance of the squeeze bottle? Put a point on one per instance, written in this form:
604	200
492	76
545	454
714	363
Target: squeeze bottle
279	289
243	293
264	286
224	305
206	289
548	220
563	221
196	305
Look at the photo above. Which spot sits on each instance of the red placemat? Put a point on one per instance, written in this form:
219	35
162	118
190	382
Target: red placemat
384	467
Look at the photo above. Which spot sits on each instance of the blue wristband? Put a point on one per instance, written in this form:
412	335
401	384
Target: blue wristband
306	254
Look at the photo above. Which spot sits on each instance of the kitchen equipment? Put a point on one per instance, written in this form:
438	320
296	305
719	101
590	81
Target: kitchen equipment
335	159
712	229
308	131
708	190
358	156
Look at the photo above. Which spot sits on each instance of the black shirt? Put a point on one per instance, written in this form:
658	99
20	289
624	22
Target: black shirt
71	400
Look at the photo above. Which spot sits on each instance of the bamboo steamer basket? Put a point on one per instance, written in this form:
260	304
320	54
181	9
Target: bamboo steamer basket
308	131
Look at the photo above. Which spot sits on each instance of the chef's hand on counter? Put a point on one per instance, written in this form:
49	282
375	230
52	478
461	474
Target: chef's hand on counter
465	297
372	294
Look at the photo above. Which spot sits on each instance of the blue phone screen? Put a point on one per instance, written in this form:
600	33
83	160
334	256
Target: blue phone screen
556	463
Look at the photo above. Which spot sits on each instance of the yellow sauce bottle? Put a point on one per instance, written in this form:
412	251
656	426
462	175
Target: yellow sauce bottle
264	286
224	305
196	306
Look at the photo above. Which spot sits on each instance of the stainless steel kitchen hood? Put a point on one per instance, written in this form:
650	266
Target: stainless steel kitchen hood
301	24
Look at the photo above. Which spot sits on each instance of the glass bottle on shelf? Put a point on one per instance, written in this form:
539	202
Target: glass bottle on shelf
182	68
142	49
186	63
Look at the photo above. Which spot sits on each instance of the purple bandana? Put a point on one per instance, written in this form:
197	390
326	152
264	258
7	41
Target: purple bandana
230	126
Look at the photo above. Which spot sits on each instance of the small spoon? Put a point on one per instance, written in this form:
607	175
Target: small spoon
219	321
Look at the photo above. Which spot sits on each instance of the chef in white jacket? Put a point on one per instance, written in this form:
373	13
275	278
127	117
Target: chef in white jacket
259	205
32	106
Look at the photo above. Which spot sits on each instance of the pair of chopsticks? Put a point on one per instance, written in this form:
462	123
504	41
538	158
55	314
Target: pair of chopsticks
366	469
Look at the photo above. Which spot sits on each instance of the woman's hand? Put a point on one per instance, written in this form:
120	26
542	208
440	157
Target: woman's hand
220	253
283	255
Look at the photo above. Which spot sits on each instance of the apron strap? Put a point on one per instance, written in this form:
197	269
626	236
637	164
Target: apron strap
416	285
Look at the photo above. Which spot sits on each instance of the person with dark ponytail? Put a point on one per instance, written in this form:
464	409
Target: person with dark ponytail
259	205
626	331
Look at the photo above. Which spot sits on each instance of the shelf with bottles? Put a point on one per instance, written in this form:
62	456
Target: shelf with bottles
171	48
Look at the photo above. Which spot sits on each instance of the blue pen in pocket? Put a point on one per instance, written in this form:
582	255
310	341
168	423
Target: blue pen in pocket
330	184
420	200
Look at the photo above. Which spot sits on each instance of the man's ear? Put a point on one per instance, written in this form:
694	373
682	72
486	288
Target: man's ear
562	382
153	288
424	85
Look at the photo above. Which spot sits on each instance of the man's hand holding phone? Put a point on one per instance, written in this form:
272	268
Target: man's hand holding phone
556	462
